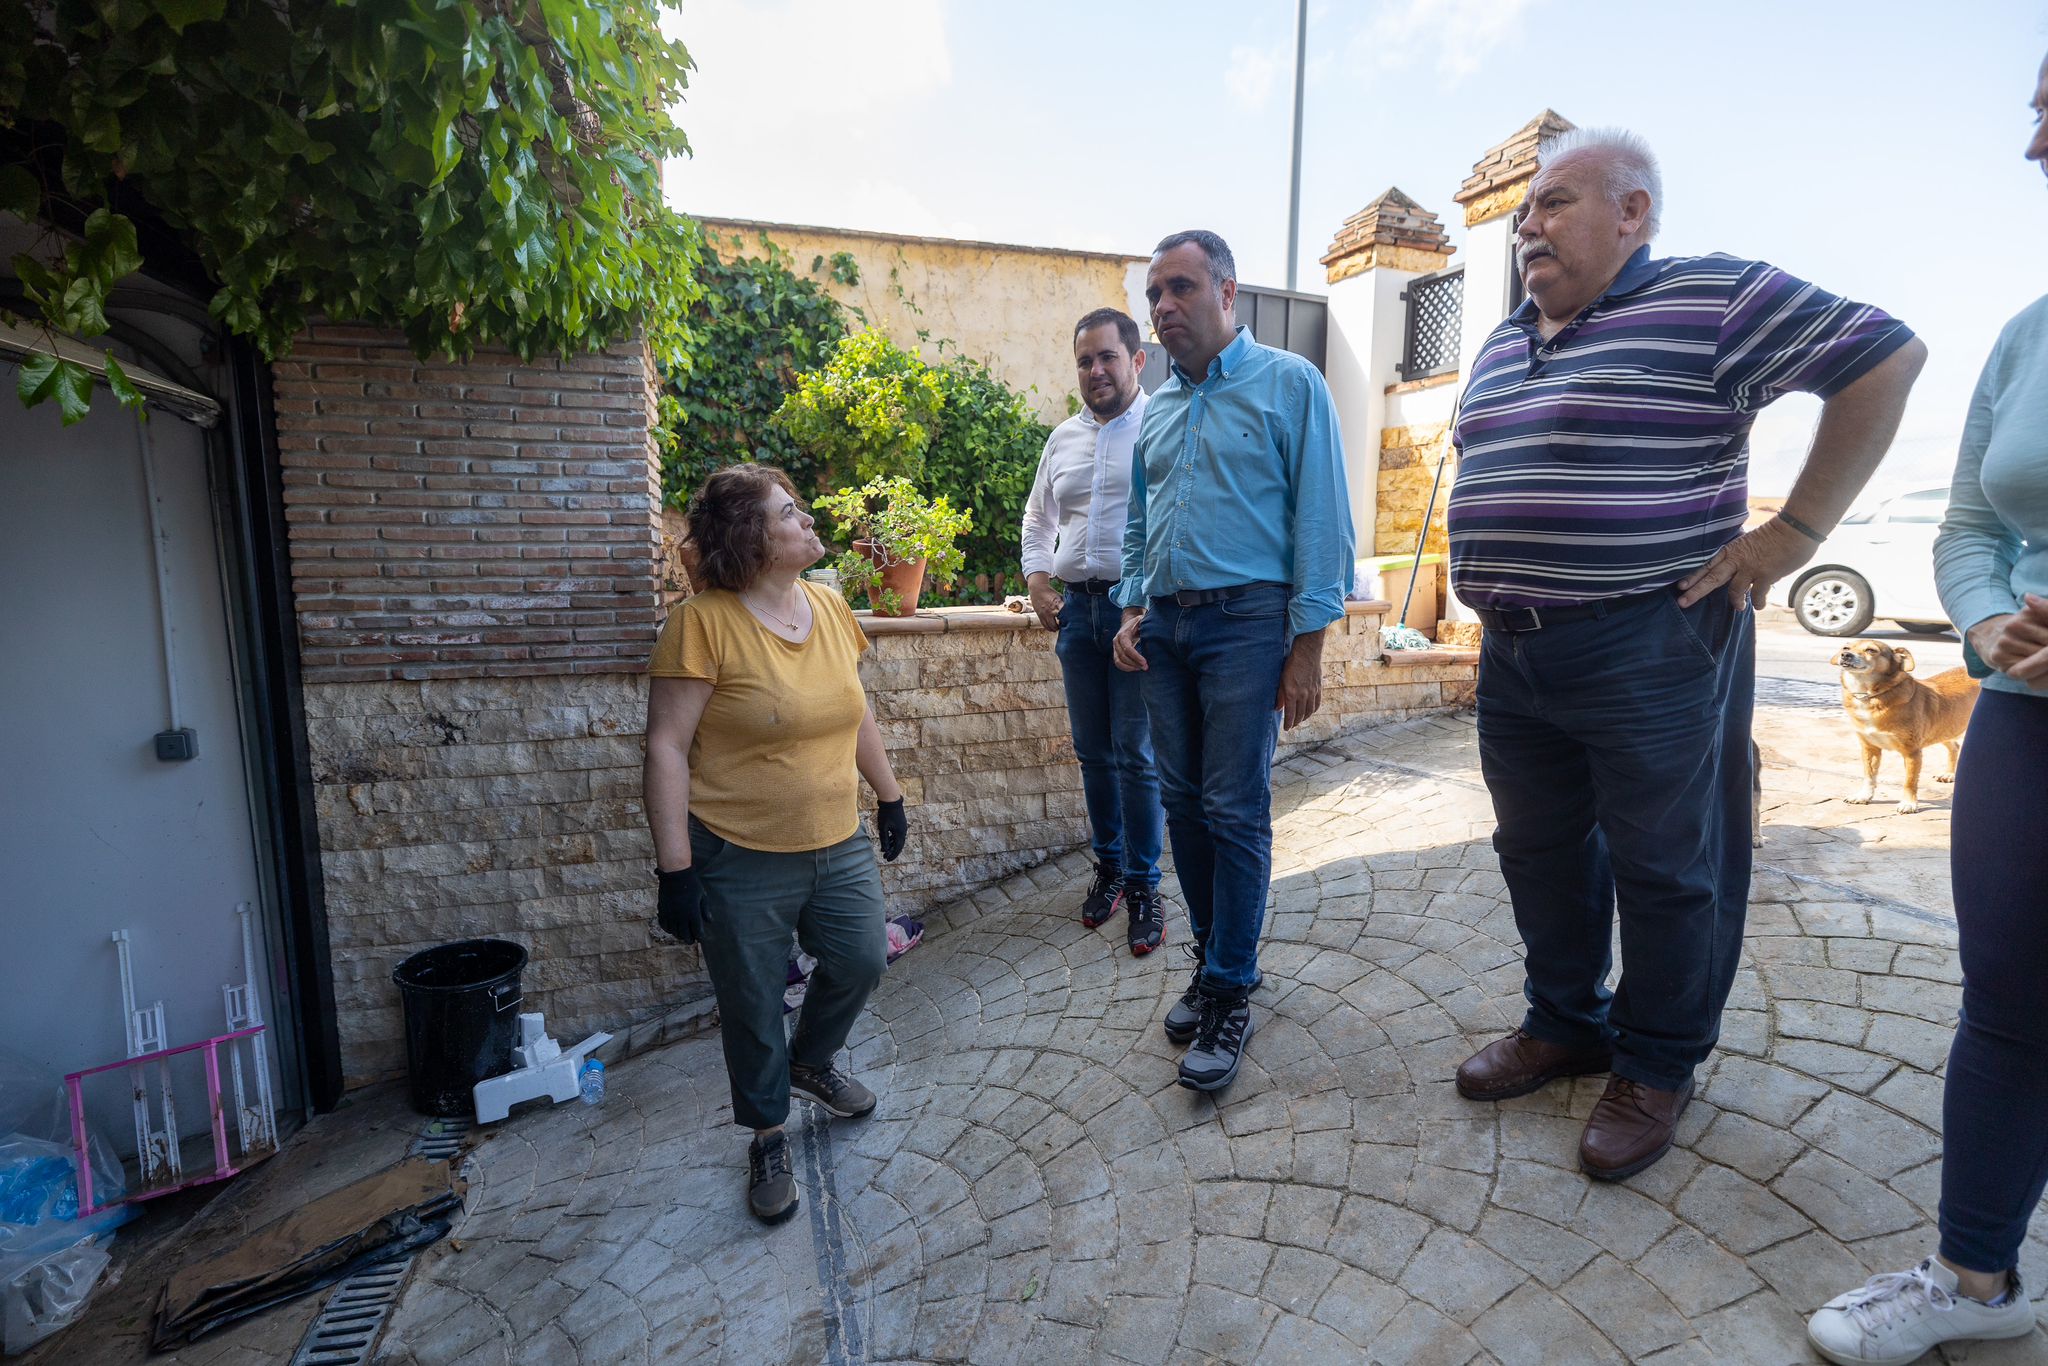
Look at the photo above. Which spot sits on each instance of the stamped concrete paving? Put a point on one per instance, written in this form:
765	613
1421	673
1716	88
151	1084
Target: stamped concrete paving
1034	1187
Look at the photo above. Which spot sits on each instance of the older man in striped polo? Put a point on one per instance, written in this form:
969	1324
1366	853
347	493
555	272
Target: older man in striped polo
1596	530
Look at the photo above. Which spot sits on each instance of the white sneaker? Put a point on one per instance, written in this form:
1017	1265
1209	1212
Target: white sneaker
1897	1317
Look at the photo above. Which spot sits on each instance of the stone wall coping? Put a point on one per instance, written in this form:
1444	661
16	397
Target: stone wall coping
1416	659
1001	619
1416	386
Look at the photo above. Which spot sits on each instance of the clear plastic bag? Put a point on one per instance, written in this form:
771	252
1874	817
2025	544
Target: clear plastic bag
50	1259
33	1105
40	1294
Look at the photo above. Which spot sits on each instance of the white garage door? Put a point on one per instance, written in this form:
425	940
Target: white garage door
97	833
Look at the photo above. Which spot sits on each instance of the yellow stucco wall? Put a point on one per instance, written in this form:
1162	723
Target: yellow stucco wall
1013	308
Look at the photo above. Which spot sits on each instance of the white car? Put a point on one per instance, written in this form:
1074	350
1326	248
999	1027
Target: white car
1878	563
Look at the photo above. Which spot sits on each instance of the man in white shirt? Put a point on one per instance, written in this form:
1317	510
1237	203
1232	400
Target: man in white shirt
1074	531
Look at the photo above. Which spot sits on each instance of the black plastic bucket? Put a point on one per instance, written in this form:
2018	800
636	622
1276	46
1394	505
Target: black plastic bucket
461	1016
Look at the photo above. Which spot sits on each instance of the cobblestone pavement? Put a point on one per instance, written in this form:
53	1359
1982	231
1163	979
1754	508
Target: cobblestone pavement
1035	1188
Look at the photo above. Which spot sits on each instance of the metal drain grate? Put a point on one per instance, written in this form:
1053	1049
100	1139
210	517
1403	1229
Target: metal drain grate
442	1139
347	1328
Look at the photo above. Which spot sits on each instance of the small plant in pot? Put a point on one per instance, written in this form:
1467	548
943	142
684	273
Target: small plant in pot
899	538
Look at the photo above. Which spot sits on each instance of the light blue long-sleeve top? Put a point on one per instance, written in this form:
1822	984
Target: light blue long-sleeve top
1239	478
1993	545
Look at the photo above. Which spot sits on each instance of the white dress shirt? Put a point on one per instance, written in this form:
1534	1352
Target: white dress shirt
1074	518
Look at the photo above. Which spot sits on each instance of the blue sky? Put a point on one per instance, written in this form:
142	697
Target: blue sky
1872	147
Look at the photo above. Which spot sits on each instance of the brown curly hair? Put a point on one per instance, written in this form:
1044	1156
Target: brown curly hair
729	527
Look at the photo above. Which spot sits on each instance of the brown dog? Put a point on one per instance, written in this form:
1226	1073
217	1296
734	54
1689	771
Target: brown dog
1891	709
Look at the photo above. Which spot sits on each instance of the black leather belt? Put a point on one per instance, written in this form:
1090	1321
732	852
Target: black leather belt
1197	597
1518	619
1094	588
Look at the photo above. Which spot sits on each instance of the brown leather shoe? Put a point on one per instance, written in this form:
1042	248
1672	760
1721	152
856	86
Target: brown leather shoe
1520	1063
1630	1128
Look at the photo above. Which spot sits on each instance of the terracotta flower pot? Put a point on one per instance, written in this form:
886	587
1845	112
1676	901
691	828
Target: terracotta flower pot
904	578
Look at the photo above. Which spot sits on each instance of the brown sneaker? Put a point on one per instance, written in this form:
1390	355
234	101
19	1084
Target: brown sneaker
1520	1063
1630	1128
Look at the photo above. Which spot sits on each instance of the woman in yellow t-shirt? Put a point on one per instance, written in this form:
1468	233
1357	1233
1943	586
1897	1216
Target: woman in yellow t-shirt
756	726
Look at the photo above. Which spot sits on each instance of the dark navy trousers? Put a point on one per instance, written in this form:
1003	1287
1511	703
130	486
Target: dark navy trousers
1616	750
1995	1103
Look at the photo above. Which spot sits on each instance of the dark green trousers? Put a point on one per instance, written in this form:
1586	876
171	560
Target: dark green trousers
831	900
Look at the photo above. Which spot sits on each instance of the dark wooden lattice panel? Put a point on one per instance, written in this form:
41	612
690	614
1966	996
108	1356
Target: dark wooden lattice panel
1435	311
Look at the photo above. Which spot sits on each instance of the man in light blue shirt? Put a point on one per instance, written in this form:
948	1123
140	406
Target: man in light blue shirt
1236	556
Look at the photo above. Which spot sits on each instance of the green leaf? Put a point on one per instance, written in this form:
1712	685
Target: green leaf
110	250
121	386
100	129
182	14
38	374
82	311
74	391
21	194
44	376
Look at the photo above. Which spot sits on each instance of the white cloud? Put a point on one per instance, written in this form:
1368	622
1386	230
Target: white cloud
1252	74
1455	36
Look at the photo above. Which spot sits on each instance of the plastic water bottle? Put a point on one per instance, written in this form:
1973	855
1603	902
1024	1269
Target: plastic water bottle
591	1084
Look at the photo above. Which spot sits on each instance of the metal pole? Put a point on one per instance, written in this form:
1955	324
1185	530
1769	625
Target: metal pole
1294	182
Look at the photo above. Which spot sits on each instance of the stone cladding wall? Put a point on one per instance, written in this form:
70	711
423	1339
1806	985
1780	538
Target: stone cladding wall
1409	457
506	808
452	808
971	707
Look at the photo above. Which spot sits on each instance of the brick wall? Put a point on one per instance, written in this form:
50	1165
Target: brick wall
490	517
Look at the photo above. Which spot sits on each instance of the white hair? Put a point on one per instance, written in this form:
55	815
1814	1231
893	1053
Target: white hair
1626	159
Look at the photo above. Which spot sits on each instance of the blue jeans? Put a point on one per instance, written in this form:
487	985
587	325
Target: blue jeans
1112	740
1213	675
1994	1163
1616	749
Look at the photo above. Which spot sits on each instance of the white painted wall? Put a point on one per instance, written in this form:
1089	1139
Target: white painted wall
1489	271
1367	322
1489	266
96	833
1422	407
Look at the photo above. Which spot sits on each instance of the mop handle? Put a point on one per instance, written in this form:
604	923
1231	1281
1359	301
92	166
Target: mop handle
1422	539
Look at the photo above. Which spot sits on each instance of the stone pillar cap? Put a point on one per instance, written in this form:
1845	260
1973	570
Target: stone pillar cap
1394	231
1507	164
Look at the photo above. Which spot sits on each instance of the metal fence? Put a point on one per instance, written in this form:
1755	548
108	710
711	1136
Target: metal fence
1436	306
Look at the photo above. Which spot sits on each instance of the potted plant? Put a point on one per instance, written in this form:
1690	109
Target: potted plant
898	538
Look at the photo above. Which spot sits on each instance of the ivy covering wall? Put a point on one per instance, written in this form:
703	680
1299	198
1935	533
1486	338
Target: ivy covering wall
468	171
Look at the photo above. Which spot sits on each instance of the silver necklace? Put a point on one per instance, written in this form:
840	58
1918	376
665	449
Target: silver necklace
785	625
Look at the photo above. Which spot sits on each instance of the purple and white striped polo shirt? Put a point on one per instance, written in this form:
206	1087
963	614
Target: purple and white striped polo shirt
1614	458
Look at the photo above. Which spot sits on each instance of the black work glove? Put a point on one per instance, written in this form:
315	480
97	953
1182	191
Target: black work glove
680	909
892	827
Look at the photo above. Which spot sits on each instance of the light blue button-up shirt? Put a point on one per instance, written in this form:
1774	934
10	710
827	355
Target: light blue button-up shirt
1240	479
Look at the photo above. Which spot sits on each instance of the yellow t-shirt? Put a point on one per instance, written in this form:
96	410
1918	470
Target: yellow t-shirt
771	764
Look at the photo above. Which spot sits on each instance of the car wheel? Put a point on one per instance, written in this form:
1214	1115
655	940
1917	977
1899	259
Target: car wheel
1833	602
1923	628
